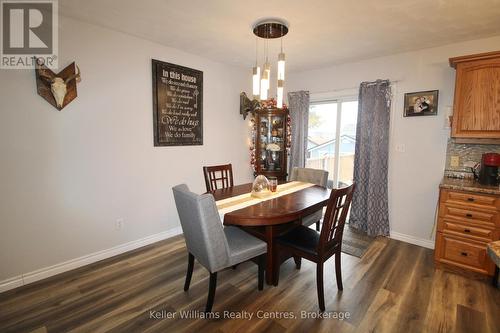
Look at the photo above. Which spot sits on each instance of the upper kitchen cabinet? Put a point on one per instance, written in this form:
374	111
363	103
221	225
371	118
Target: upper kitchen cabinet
476	111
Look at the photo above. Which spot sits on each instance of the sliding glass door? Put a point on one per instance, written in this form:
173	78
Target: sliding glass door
331	139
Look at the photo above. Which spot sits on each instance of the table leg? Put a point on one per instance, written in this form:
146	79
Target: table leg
269	258
272	266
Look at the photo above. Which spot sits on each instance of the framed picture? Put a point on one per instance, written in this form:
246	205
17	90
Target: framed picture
177	105
422	103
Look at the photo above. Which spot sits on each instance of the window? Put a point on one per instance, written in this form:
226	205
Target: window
331	139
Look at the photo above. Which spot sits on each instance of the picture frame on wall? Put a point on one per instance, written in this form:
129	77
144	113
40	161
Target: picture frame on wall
421	103
177	105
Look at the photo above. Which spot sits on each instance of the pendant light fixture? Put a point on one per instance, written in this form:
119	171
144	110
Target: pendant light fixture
266	75
256	72
269	29
256	79
281	77
264	82
279	94
281	63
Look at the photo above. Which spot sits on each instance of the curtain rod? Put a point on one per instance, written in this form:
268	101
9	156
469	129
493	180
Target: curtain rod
357	87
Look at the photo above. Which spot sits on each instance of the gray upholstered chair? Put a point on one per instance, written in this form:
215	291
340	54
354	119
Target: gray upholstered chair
315	176
214	246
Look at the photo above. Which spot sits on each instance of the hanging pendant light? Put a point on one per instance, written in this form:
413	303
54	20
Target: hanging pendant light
264	85
281	60
256	73
281	77
264	82
269	29
281	80
256	81
279	94
266	75
281	66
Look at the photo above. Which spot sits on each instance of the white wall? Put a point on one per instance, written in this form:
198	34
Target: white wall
414	175
65	177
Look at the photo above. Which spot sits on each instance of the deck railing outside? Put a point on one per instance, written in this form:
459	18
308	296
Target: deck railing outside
327	162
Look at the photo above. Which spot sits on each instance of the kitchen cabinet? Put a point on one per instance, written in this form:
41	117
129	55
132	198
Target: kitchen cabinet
476	109
467	221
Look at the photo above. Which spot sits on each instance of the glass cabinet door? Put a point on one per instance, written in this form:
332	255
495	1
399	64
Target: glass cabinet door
272	141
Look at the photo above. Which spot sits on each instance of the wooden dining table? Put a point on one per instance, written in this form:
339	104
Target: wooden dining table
273	217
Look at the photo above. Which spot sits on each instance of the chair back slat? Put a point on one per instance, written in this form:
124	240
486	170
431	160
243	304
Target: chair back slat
335	217
218	175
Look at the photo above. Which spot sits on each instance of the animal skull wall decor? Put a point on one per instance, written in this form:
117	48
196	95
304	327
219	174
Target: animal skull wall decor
57	89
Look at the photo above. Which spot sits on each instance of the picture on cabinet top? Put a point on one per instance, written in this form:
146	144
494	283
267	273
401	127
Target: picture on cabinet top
422	103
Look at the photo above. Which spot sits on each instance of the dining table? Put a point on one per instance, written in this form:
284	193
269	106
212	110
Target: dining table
271	217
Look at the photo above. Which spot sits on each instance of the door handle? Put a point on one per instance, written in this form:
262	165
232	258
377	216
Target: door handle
466	230
468	215
470	199
464	254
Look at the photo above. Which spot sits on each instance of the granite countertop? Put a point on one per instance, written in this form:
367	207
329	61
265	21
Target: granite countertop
468	185
494	252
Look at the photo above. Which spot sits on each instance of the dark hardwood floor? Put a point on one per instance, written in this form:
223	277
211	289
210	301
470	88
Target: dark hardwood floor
392	288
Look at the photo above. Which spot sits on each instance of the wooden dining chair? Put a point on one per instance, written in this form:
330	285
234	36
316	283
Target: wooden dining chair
314	176
214	246
218	173
317	247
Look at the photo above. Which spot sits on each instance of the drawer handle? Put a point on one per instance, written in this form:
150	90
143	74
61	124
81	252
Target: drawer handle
464	254
470	199
468	215
466	230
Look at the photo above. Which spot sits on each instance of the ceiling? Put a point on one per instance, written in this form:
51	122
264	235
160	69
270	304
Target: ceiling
322	32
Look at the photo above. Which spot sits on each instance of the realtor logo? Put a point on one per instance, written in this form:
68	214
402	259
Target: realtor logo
29	29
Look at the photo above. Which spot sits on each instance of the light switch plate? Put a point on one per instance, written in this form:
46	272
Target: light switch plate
454	161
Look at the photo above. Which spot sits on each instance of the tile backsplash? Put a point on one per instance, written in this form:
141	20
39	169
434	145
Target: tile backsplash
466	153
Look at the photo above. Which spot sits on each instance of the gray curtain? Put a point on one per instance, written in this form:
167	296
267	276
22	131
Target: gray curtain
298	104
369	210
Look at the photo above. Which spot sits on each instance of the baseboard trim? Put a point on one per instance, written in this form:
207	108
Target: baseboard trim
428	243
66	266
49	271
11	283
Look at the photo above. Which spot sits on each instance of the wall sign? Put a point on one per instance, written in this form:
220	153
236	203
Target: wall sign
177	105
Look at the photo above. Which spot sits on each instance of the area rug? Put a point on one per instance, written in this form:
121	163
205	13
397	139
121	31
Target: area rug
355	242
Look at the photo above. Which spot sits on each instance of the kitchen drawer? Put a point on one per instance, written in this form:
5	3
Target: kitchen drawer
463	253
471	200
468	216
468	231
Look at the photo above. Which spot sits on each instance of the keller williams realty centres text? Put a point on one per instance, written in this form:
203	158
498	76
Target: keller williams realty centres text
246	315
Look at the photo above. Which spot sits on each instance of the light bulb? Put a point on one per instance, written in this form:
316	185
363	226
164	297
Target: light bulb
263	89
264	82
256	80
281	66
279	95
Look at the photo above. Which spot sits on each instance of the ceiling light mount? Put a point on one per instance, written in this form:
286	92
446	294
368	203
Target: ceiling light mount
270	28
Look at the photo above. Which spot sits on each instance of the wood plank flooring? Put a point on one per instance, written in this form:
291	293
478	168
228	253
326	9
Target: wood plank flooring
392	288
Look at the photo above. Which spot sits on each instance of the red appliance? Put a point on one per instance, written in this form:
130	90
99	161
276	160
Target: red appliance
488	174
